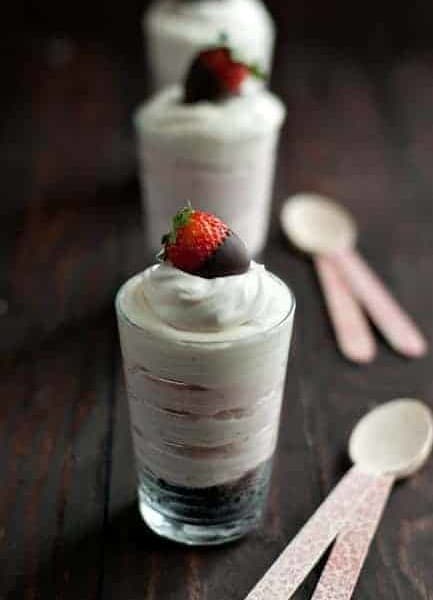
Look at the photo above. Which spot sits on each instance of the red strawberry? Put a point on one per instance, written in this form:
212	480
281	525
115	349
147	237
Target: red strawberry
214	75
201	244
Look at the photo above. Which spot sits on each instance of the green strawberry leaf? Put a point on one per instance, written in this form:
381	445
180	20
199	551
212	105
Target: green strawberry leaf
256	70
223	39
182	218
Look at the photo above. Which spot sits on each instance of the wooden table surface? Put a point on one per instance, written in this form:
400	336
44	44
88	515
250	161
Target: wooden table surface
71	232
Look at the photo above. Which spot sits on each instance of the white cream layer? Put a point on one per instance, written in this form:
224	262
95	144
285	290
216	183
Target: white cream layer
248	115
204	21
178	29
224	132
194	303
181	306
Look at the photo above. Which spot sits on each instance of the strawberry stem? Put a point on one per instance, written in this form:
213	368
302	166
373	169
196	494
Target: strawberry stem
180	219
257	71
223	39
254	68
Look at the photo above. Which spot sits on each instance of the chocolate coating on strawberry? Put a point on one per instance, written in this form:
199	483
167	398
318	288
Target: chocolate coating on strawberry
201	244
215	75
230	258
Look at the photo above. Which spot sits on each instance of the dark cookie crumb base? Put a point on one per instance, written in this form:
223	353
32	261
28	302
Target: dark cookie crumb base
219	504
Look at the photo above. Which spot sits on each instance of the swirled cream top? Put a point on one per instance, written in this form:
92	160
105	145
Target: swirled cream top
245	22
184	306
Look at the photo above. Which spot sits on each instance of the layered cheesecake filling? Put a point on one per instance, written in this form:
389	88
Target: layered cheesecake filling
205	364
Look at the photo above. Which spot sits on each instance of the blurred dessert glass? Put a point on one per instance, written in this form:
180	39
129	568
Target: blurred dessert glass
223	152
175	30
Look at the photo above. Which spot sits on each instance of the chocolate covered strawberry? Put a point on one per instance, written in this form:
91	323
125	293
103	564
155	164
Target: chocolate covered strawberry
215	74
201	244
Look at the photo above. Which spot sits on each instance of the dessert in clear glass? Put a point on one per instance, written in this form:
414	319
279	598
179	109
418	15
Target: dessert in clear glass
175	30
205	364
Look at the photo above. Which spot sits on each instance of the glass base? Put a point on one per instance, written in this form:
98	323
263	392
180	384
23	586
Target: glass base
190	534
204	516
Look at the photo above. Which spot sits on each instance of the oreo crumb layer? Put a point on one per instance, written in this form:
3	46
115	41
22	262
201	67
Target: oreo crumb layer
214	505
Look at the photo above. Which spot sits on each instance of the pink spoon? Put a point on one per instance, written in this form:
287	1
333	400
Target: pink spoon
394	441
352	330
391	441
324	229
395	324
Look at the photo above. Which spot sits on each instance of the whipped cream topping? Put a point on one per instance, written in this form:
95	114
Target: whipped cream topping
254	113
246	23
181	306
194	303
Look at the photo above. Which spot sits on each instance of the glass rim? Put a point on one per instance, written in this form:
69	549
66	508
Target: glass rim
189	341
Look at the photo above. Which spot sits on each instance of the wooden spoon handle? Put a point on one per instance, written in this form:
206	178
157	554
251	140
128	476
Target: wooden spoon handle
344	565
394	323
296	561
352	331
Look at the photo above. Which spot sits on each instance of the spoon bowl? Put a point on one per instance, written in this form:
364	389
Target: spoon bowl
317	225
395	438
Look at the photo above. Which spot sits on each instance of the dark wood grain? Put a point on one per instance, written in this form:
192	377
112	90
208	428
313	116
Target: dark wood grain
56	422
70	206
69	528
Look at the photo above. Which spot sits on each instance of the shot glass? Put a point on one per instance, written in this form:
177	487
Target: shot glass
204	419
